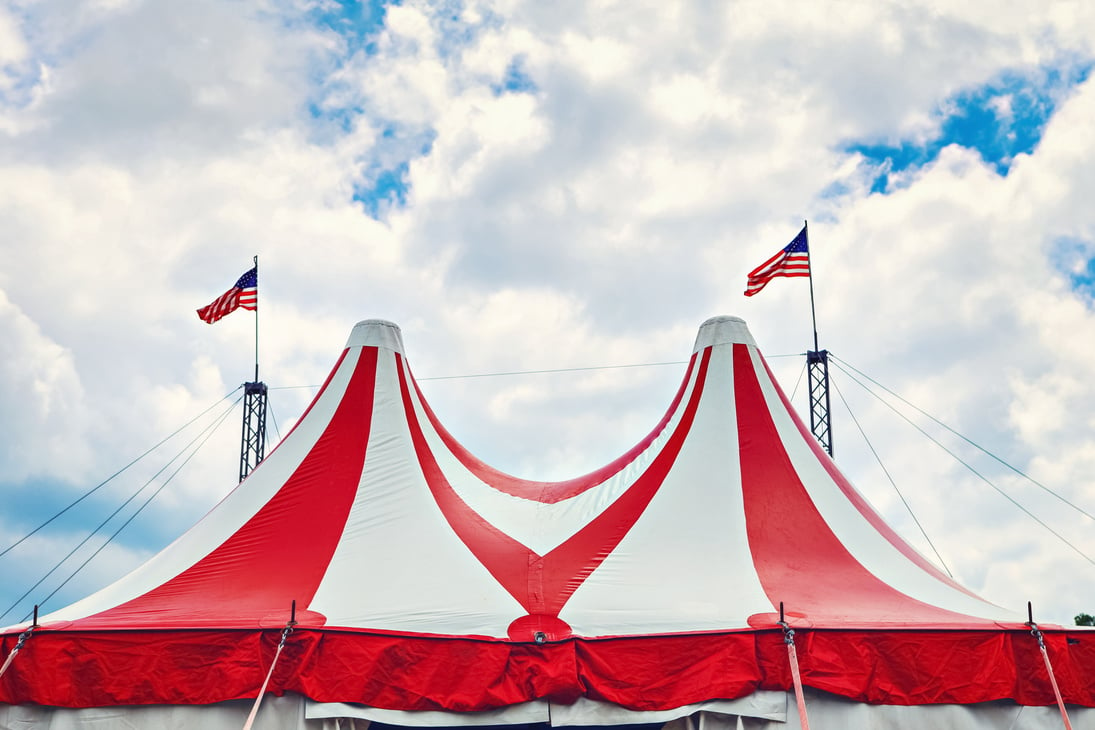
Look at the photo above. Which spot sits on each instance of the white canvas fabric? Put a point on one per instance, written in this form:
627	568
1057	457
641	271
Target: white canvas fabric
766	711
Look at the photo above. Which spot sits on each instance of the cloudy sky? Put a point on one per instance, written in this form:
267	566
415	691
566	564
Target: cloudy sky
566	186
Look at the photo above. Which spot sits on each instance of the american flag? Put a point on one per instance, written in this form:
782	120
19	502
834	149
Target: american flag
244	294
793	260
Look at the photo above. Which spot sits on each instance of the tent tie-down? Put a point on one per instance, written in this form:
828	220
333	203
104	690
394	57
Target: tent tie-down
20	641
800	697
266	682
1037	634
18	645
796	676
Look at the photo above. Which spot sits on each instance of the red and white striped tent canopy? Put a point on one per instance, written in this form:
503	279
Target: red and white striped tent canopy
426	585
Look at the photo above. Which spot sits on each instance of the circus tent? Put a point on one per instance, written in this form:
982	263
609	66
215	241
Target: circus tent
410	583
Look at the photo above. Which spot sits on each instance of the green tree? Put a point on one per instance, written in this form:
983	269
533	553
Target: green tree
1085	619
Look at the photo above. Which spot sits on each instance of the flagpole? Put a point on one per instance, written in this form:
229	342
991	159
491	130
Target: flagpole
817	366
257	318
810	270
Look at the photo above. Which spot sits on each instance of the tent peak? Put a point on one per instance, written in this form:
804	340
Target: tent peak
723	330
376	333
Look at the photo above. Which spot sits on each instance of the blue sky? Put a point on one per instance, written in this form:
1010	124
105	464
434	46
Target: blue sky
530	187
1000	119
1076	259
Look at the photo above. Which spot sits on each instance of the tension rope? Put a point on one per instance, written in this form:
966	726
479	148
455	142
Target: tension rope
796	676
1037	634
19	642
18	645
266	682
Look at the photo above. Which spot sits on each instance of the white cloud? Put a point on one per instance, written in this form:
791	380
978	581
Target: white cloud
45	431
13	47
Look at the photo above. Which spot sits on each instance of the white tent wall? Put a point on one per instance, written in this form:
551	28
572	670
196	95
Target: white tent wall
771	705
761	711
829	712
276	713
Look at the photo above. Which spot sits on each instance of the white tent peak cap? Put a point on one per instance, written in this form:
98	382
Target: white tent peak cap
376	333
723	330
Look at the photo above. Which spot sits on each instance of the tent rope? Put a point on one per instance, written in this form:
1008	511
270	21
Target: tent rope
18	645
106	481
893	484
262	691
975	472
796	676
1037	634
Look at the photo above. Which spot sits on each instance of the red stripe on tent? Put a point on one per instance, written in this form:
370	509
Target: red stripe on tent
543	584
282	552
857	499
319	394
798	558
304	415
549	492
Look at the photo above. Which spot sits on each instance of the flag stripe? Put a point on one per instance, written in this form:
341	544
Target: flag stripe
249	298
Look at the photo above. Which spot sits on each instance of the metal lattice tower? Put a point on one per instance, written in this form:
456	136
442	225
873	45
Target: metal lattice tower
253	442
817	365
